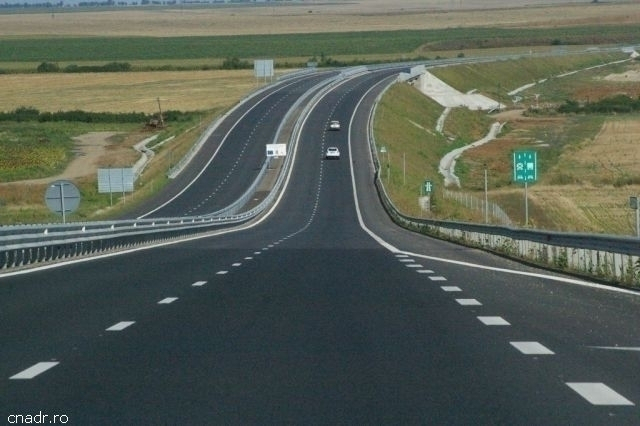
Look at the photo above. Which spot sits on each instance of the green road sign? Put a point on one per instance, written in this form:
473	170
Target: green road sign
427	187
525	168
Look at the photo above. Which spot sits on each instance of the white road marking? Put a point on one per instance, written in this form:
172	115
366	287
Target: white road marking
198	284
413	265
167	300
248	258
451	288
406	260
121	326
425	271
236	264
599	394
493	321
468	302
222	272
618	348
437	278
34	370
532	348
401	255
504	270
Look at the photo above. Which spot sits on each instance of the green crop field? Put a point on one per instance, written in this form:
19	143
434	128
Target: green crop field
367	44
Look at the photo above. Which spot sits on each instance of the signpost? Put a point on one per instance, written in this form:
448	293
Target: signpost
633	203
383	150
525	170
61	197
115	180
425	195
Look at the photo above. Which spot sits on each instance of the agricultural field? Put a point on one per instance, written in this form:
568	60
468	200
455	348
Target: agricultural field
176	53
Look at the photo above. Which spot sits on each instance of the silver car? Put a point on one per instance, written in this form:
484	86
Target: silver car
332	153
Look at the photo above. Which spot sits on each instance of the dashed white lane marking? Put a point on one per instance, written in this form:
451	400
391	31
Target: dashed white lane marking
437	278
425	271
199	283
406	260
121	326
235	265
222	272
256	252
599	394
451	288
167	300
413	265
532	348
493	321
34	370
248	258
468	302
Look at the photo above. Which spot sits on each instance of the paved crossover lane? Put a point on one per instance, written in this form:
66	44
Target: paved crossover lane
306	318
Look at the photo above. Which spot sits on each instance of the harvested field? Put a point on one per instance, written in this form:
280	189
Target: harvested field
319	16
126	92
603	172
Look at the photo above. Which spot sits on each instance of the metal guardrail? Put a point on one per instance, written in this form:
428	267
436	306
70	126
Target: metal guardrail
27	245
611	258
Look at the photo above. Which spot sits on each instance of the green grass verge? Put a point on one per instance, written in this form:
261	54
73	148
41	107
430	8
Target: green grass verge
405	125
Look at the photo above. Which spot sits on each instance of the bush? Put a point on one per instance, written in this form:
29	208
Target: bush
235	64
614	104
110	67
48	67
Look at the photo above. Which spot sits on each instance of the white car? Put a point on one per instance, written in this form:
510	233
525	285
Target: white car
334	125
332	153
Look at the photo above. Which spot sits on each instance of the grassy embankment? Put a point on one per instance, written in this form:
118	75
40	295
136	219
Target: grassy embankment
576	190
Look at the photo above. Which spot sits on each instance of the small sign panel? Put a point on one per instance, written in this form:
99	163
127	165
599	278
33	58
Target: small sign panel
115	180
263	67
276	150
525	168
62	197
427	187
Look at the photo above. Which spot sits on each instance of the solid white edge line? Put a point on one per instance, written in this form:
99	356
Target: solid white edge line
399	252
242	227
284	86
617	348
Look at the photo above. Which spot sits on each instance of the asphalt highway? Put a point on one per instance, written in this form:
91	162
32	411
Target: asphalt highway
322	312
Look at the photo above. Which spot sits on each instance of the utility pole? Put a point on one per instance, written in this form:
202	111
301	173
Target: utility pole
160	109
